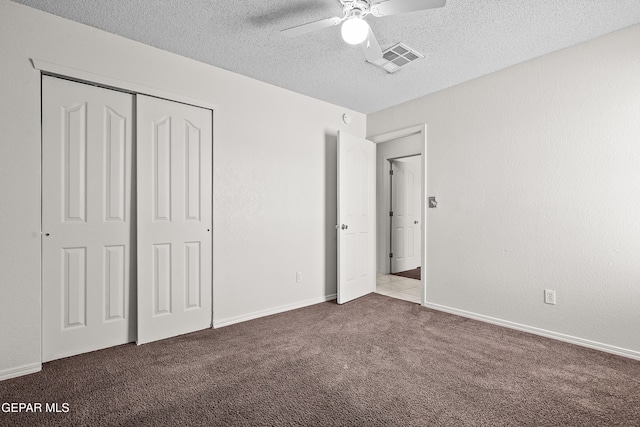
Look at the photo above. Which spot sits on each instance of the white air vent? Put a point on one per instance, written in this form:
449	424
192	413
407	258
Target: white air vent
397	57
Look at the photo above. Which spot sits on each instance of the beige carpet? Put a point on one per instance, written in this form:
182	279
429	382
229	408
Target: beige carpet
376	361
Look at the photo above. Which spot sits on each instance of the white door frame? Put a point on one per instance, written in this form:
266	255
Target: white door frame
390	136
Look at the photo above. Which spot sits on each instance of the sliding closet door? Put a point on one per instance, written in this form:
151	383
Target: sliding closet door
86	218
174	166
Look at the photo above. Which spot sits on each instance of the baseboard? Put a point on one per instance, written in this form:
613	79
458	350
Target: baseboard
262	313
20	371
632	354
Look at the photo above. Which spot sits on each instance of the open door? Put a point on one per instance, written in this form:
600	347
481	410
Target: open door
405	205
356	217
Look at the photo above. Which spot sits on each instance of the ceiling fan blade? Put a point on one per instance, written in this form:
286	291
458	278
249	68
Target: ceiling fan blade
394	7
371	48
311	26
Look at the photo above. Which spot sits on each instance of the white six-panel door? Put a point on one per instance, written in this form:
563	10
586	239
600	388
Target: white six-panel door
174	178
86	201
356	217
406	214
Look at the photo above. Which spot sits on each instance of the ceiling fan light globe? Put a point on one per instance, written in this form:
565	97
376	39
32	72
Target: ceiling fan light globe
355	30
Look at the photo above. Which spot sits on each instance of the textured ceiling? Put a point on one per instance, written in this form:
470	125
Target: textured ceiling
461	41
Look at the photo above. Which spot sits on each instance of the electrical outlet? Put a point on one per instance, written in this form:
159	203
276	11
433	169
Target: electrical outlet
298	277
549	296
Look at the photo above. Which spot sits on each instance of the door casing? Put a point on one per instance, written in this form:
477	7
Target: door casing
400	151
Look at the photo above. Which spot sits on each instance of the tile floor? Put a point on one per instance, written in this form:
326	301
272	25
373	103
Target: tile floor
398	287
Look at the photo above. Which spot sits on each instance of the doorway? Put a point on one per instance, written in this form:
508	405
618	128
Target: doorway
404	152
403	241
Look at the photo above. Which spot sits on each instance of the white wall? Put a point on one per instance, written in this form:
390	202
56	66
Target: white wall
537	173
274	174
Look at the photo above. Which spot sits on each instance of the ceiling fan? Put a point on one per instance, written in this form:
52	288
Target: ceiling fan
355	29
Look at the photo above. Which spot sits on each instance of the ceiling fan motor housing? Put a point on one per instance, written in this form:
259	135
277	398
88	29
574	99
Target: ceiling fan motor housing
355	8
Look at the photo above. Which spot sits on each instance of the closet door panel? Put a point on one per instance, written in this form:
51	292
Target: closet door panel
87	146
174	174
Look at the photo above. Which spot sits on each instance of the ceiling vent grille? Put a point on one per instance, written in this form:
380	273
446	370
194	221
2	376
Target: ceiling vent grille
397	57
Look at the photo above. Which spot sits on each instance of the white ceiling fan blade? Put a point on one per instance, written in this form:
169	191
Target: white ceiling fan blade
311	26
394	7
371	48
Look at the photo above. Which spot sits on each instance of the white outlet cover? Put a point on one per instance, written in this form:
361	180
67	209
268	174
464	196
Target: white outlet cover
549	296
